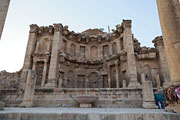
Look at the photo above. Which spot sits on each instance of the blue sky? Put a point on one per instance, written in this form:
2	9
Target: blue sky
79	15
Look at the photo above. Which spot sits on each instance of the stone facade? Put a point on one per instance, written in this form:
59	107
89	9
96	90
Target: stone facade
4	5
110	65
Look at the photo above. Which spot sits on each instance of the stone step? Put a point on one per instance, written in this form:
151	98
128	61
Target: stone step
86	114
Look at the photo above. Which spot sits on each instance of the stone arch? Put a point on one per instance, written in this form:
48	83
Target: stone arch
94	52
114	48
93	80
70	79
73	49
44	45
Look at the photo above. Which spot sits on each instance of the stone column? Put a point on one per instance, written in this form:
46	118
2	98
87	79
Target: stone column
131	60
117	74
37	47
29	89
164	71
53	69
4	5
60	82
169	14
44	74
109	75
34	65
29	51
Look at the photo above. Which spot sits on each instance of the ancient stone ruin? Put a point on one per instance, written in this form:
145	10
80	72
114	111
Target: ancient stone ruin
60	64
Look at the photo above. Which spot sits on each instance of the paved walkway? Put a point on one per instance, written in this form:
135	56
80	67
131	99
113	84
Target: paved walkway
84	110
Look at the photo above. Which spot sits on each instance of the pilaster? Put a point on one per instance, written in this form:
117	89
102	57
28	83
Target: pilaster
117	74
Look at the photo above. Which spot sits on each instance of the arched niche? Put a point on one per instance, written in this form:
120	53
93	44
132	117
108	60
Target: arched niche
73	49
114	48
44	45
93	80
94	52
105	51
82	52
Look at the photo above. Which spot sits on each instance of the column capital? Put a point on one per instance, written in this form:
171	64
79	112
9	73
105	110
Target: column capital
57	27
127	23
158	41
33	28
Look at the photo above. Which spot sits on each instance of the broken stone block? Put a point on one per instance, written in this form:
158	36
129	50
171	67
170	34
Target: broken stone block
148	96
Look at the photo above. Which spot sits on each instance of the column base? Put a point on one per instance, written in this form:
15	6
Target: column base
26	104
50	85
149	105
134	83
166	84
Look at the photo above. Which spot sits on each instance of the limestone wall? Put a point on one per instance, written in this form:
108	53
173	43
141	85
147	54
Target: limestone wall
116	98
